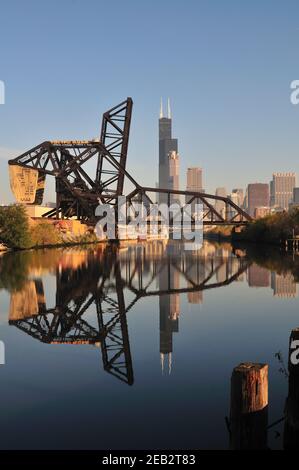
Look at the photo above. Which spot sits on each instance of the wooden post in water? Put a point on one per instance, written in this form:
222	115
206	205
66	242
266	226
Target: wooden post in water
249	406
291	424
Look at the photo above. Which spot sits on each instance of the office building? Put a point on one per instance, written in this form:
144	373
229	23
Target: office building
194	179
296	195
260	212
240	196
166	145
220	205
194	183
174	174
258	196
282	186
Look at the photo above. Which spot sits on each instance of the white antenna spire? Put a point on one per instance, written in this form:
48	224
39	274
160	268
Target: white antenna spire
161	109
168	108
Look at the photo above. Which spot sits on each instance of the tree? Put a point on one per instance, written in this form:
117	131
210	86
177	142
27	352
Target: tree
14	227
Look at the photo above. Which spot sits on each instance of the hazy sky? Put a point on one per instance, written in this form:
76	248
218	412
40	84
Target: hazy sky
226	66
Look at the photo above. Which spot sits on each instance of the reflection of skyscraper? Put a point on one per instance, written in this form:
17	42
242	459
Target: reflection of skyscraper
169	305
258	276
196	275
221	273
283	285
166	145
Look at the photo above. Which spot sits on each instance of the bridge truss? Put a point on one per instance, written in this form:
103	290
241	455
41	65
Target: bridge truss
79	191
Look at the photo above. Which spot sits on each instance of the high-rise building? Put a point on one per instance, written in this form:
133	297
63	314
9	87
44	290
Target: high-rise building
282	186
295	201
166	145
220	205
194	179
296	195
258	196
240	196
174	174
194	183
235	199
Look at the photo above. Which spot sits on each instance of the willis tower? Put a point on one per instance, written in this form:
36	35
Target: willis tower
166	145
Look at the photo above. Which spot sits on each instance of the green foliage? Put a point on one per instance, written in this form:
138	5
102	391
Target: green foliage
44	233
14	227
14	268
272	228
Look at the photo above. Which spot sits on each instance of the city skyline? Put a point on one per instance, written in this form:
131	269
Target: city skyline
222	116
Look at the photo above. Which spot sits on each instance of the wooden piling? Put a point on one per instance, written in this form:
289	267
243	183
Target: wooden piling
249	406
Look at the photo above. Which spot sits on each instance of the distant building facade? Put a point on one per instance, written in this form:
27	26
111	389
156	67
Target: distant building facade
174	174
194	179
260	212
282	186
296	195
194	183
220	205
240	195
258	196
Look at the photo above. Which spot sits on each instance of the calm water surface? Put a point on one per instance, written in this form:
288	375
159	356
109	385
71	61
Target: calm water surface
133	347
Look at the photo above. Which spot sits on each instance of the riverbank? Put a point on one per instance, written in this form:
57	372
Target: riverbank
273	229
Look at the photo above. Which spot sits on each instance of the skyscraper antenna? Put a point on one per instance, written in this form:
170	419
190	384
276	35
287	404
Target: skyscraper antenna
168	109
161	109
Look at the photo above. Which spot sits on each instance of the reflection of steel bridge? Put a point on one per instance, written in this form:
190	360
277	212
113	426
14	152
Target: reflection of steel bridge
78	192
102	285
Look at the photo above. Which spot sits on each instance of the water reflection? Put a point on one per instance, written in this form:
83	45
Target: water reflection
97	281
241	297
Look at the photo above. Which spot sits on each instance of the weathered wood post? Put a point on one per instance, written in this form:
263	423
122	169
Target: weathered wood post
249	406
291	424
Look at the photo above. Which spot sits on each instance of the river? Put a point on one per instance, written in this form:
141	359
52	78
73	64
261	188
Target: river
133	347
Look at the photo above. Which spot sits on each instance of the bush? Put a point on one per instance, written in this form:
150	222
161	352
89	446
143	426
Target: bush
14	227
44	233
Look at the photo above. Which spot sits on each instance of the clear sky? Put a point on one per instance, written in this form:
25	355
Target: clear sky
226	66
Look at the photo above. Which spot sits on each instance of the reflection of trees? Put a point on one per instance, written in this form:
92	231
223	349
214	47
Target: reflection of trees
14	270
272	258
16	267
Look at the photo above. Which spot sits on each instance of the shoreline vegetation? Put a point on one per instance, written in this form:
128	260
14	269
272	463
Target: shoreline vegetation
273	229
18	232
